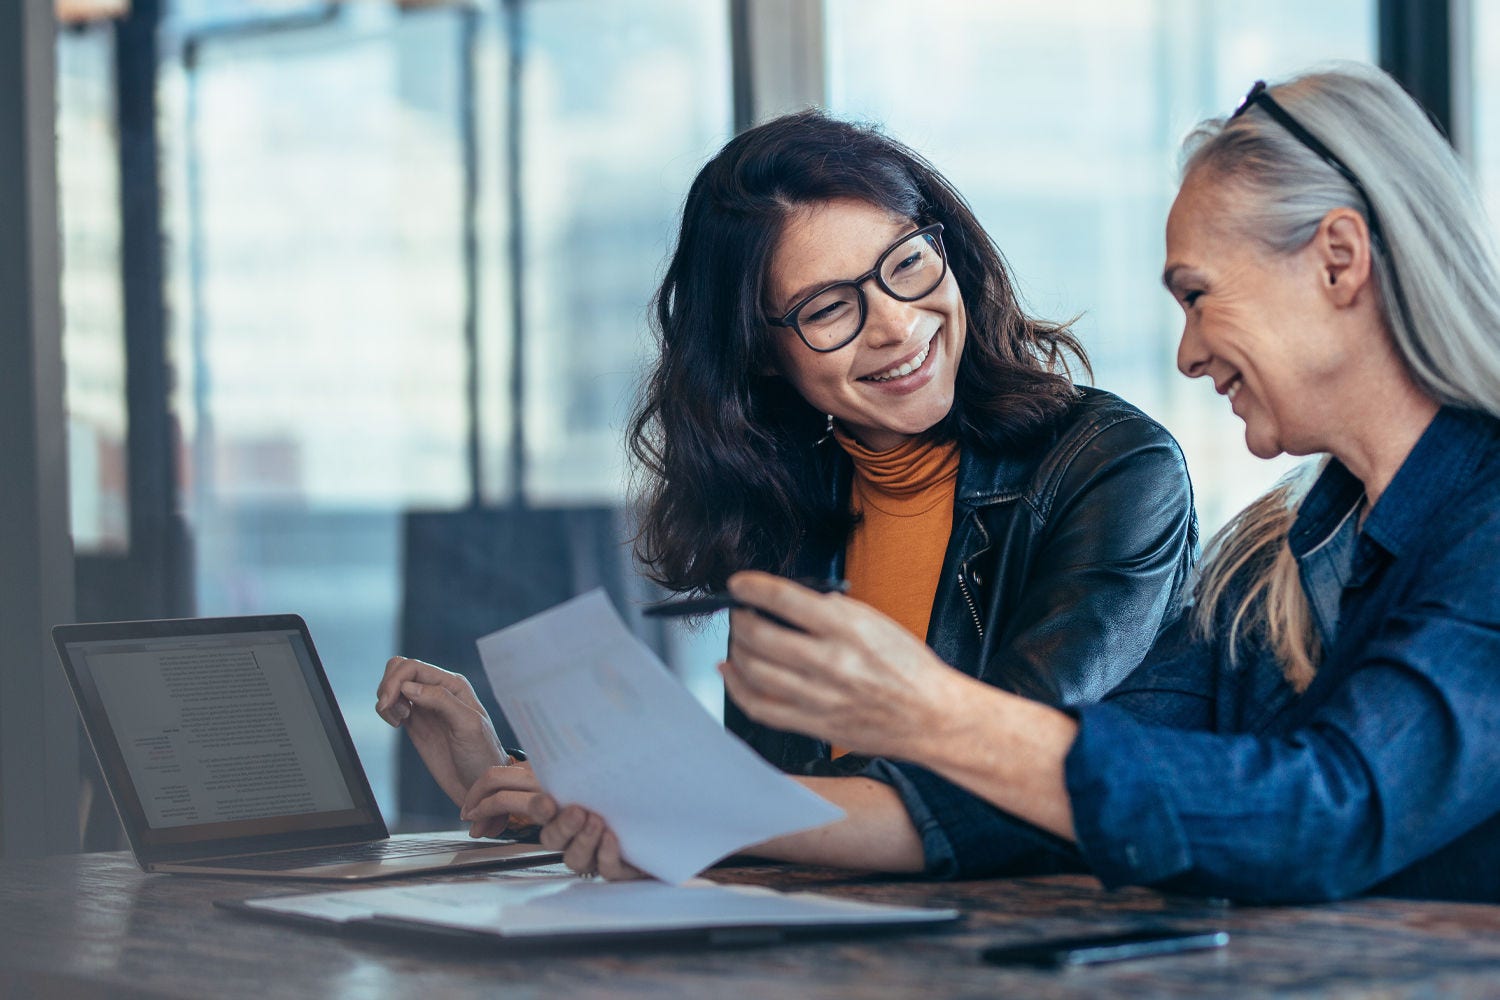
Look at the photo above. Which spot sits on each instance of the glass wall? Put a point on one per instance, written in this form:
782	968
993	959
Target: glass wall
1483	86
93	336
622	104
371	208
1060	123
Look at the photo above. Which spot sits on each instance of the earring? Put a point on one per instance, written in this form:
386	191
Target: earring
827	432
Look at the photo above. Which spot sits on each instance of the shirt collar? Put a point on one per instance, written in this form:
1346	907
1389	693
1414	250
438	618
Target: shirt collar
1324	508
1438	468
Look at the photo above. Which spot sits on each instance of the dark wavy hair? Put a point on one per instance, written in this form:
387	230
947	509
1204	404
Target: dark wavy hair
727	471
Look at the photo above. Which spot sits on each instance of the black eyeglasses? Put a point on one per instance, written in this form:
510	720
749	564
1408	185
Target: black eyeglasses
1261	96
909	269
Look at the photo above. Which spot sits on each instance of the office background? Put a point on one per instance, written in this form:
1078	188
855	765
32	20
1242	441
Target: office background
338	308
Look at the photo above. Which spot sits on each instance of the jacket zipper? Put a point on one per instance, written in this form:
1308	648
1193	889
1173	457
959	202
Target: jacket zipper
963	585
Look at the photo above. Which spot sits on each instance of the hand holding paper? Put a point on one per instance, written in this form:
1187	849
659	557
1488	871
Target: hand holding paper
607	727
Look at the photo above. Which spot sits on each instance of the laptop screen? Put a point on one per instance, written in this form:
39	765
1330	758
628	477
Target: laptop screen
219	733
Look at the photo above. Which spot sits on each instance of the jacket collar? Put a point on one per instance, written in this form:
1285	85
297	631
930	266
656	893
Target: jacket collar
986	477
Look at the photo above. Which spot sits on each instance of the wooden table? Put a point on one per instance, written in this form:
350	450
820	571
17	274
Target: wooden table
94	926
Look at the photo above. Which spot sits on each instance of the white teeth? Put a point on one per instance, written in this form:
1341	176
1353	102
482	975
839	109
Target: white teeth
1234	389
905	369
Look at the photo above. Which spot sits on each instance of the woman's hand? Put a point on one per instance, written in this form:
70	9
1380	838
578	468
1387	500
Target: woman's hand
450	729
855	678
589	846
504	794
851	675
500	799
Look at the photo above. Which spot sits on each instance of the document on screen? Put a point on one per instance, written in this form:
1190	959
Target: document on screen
217	729
606	727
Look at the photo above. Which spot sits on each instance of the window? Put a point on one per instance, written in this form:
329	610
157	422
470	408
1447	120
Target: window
623	103
1484	57
93	336
343	186
1061	124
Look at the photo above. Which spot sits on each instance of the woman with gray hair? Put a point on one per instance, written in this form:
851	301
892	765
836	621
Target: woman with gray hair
1325	719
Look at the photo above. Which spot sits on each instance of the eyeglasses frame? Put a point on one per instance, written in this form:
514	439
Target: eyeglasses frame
789	319
1260	95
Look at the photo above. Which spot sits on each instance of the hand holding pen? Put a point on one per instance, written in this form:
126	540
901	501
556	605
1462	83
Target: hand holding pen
708	603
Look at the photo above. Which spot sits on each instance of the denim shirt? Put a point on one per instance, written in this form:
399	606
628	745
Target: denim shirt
1383	776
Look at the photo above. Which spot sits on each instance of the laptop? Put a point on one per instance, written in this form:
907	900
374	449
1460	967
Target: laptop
225	754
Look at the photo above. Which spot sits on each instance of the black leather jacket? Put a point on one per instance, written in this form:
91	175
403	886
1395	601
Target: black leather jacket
1062	563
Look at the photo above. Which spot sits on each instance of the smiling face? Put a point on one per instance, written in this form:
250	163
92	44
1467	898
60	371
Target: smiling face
1257	323
896	379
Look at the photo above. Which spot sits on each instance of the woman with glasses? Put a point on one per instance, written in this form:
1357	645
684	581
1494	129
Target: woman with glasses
847	388
1325	720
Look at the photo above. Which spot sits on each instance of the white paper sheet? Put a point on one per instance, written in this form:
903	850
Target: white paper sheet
568	906
605	726
420	902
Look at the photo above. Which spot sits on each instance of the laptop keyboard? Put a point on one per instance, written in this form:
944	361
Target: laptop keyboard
348	854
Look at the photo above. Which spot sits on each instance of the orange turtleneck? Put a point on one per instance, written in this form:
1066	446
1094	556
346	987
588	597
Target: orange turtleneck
904	498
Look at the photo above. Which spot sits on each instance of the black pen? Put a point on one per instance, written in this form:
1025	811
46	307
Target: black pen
703	604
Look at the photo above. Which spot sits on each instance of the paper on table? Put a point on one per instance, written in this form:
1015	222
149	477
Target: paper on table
343	906
622	907
605	726
570	907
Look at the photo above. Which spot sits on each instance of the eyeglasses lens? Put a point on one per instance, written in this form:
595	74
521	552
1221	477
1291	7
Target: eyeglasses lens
908	271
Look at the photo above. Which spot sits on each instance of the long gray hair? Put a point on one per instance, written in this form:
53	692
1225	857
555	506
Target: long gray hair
1436	273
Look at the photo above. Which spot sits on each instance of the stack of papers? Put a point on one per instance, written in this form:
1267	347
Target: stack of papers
566	908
